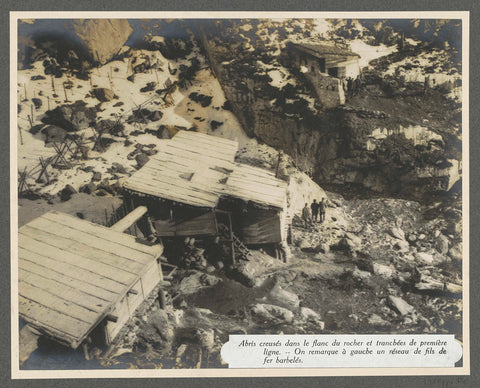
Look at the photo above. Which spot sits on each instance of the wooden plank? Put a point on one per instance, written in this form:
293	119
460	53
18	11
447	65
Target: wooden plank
91	235
213	140
195	145
277	194
175	171
142	188
56	303
62	278
34	244
42	262
198	147
174	193
41	316
122	312
191	158
129	219
71	294
103	232
204	185
204	224
72	241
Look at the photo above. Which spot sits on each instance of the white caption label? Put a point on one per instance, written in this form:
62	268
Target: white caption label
332	351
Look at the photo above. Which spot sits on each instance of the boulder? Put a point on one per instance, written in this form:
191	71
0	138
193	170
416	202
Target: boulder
386	271
245	274
267	313
197	280
103	94
67	192
155	116
142	160
399	305
401	245
163	132
97	176
71	117
206	338
54	133
280	297
322	248
159	320
441	244
424	257
37	102
88	189
309	314
397	233
377	321
102	38
455	253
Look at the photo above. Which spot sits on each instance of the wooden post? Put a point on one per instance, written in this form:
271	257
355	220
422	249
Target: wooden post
65	91
21	137
53	85
25	90
85	351
278	163
31	111
48	102
232	245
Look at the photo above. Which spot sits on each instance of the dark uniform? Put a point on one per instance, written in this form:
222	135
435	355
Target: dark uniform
322	207
315	206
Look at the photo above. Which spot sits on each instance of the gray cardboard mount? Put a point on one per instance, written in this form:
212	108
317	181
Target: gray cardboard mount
247	5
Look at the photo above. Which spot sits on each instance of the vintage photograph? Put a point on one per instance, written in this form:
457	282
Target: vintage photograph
181	180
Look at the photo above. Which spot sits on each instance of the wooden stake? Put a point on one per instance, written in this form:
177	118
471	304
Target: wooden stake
31	111
21	137
25	90
65	91
85	351
53	85
48	102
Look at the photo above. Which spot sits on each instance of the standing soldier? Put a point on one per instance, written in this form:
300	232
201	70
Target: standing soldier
306	215
322	207
314	206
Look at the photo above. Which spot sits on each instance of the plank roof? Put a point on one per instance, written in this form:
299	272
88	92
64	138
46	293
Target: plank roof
198	169
72	272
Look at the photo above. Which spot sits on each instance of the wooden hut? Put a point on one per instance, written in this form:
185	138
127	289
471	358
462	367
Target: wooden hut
194	187
78	280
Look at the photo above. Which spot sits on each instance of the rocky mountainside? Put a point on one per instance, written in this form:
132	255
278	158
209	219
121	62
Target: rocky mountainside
392	136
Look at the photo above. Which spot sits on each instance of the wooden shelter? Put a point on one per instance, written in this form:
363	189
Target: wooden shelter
194	187
77	279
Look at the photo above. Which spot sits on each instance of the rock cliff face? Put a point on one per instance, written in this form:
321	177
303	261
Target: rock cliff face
103	38
392	136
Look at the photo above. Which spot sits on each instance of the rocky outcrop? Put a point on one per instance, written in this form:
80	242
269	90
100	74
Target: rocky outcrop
103	38
71	117
389	139
71	42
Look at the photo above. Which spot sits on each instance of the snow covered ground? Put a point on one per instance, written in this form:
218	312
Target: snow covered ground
182	113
